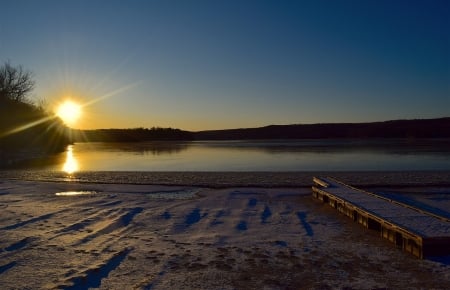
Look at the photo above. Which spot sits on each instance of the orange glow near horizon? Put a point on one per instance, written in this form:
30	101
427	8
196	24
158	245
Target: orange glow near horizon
79	108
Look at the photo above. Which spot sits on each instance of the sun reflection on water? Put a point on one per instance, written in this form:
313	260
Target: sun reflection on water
75	193
71	164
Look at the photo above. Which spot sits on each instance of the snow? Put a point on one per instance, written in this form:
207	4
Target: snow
142	236
411	219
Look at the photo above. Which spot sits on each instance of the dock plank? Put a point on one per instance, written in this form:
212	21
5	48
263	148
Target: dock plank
388	215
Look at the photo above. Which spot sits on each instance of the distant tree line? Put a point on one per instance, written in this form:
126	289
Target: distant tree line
131	135
425	128
26	128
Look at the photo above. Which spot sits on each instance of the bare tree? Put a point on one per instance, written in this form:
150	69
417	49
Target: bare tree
15	83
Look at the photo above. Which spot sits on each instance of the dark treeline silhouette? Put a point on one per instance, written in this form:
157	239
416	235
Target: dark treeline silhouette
423	128
24	126
131	135
26	129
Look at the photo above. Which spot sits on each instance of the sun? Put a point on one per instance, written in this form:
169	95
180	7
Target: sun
69	112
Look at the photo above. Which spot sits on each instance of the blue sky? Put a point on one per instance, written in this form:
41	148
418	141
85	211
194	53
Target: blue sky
225	64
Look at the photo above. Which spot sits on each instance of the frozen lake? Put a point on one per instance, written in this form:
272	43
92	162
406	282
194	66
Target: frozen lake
273	155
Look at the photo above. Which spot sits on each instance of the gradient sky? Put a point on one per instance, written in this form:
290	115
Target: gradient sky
197	65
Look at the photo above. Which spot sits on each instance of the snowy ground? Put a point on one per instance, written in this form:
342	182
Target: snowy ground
123	236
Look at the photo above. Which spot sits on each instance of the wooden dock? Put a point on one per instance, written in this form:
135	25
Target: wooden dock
415	231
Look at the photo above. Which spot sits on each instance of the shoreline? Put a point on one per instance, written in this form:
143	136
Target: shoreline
227	179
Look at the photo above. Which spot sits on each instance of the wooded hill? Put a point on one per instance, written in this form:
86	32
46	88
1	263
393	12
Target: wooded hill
424	128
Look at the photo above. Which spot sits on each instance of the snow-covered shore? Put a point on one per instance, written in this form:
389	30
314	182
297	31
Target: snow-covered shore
143	236
240	179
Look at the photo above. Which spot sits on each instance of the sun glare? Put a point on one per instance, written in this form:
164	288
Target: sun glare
69	112
71	164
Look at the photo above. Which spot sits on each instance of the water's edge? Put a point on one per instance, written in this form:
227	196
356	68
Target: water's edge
238	179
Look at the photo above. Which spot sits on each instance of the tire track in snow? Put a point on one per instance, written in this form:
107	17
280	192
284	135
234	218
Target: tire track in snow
115	225
302	217
32	220
89	221
17	246
92	278
6	267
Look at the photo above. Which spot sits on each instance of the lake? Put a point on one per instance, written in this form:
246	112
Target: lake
273	155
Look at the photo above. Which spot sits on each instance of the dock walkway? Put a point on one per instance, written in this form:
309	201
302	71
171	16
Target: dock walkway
411	229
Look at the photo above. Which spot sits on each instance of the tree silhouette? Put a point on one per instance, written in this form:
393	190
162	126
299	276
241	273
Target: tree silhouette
15	83
27	130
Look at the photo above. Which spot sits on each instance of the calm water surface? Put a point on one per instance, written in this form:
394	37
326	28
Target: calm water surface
304	155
